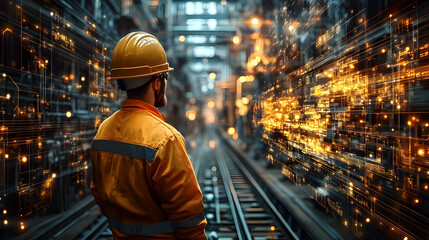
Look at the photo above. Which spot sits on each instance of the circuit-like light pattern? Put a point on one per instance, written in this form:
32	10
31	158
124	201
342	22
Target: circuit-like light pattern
348	113
53	95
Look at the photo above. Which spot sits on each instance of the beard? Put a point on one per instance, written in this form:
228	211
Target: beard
160	98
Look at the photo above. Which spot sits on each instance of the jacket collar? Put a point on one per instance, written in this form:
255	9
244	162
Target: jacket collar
133	103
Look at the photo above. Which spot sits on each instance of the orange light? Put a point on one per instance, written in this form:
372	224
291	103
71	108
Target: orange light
352	66
211	104
426	187
5	211
235	136
421	152
71	76
82	79
212	144
398	107
409	123
255	21
367	220
345	223
68	114
236	40
6	156
427	124
231	131
416	200
5	222
22	227
383	50
385	116
54	175
272	228
24	159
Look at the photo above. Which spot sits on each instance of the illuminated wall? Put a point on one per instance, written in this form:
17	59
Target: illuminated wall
53	94
347	110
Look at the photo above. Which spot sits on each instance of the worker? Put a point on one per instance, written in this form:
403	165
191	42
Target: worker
142	178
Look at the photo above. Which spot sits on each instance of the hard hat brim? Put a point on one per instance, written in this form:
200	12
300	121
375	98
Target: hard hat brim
140	71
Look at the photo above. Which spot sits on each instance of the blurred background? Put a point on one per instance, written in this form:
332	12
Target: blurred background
333	95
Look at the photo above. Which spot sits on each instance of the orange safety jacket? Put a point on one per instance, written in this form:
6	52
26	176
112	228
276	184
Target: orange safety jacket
142	178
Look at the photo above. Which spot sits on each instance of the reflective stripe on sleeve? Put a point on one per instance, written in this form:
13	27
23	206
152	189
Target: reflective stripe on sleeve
154	229
141	229
127	149
192	222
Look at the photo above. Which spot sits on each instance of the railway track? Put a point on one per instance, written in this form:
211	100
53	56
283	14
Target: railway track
236	206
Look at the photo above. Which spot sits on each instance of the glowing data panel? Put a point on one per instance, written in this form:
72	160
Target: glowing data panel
53	95
348	112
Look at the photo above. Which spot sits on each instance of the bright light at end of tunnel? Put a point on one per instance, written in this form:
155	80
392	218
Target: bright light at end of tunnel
182	38
255	21
212	75
212	144
236	40
231	131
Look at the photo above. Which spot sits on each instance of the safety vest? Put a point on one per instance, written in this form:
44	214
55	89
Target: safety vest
142	178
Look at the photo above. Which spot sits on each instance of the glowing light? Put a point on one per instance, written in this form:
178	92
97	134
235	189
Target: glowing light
427	124
223	2
416	200
231	131
421	152
272	228
385	116
8	96
235	136
6	156
290	28
5	222
22	227
236	40
211	104
245	100
68	114
54	175
426	187
192	116
52	13
407	49
4	74
352	66
383	50
367	220
5	211
71	76
409	123
398	107
212	144
345	223
182	38
212	75
82	79
24	159
255	21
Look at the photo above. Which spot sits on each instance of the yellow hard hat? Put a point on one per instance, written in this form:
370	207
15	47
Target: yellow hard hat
138	55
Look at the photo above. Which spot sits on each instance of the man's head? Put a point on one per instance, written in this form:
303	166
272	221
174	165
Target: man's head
139	64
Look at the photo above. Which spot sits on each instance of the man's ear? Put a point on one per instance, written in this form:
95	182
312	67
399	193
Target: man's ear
156	84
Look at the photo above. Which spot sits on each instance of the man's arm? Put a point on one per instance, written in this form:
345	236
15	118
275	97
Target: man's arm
178	190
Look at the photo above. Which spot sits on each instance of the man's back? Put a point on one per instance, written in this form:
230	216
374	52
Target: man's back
142	177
